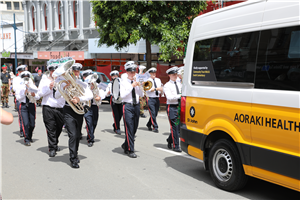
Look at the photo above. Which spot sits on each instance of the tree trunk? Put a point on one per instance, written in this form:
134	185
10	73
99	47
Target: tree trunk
148	54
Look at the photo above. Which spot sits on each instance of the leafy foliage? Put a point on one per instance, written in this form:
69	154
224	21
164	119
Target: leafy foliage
164	23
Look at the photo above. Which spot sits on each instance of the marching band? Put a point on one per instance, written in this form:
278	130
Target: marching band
67	101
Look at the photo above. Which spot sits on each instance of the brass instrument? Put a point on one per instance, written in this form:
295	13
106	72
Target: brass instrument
28	86
72	89
145	86
92	80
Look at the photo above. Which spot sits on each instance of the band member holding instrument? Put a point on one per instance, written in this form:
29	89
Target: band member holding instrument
16	83
92	116
52	110
172	91
73	120
153	101
37	79
27	109
130	93
143	100
116	104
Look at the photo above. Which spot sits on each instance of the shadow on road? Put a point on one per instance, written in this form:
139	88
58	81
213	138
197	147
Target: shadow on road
119	150
65	158
21	141
255	188
46	149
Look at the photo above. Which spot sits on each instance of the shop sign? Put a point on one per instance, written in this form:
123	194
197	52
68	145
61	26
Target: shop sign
5	54
22	56
76	55
37	62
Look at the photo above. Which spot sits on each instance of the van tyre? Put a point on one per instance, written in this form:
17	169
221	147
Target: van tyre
225	166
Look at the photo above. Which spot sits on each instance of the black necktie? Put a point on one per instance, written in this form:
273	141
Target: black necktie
133	95
156	92
177	90
27	101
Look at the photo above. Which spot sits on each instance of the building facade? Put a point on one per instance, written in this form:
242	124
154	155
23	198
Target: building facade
58	25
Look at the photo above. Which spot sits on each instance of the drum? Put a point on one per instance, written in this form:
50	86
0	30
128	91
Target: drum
116	90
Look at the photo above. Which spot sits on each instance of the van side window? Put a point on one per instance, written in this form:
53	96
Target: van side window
278	61
226	59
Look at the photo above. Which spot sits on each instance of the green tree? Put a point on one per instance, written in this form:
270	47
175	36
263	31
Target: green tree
164	23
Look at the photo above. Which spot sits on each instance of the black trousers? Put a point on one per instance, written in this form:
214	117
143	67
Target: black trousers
117	113
73	124
131	116
91	119
20	117
153	105
54	120
28	120
172	111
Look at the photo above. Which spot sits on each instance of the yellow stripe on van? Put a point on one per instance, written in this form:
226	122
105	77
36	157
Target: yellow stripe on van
193	151
272	177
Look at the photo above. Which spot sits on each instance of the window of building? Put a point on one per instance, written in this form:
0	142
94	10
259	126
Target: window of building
33	19
75	14
45	14
16	5
8	4
278	60
59	16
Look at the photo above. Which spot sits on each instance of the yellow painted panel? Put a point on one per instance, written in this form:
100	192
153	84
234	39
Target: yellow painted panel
197	153
272	177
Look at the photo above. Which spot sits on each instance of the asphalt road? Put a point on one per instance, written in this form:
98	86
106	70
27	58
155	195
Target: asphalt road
107	173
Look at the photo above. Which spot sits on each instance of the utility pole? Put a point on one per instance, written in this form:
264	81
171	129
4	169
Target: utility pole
16	59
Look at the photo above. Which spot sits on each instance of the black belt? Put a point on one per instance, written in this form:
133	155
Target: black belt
154	97
59	109
5	83
172	104
133	104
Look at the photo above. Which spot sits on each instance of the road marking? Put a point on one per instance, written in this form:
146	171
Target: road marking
180	154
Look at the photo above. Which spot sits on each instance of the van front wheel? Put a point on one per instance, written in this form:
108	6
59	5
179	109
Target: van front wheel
225	166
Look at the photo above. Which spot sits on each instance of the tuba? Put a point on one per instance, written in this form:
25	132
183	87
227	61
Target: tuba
92	80
29	87
74	89
145	86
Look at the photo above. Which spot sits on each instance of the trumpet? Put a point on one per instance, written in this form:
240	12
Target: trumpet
92	80
145	86
72	89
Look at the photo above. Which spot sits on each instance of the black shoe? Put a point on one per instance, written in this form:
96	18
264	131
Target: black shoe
74	165
21	135
31	140
169	145
132	155
177	150
27	143
155	130
143	115
117	132
149	128
90	144
57	149
123	147
52	153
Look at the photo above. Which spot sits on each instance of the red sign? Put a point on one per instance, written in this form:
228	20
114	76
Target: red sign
76	55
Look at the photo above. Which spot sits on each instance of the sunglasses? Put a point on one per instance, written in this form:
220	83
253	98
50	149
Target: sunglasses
52	68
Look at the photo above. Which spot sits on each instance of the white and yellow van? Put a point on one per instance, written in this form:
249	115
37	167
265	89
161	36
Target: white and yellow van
240	106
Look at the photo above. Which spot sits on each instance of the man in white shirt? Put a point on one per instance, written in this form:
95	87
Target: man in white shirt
53	116
73	121
172	91
116	104
16	82
153	101
130	92
26	99
92	115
